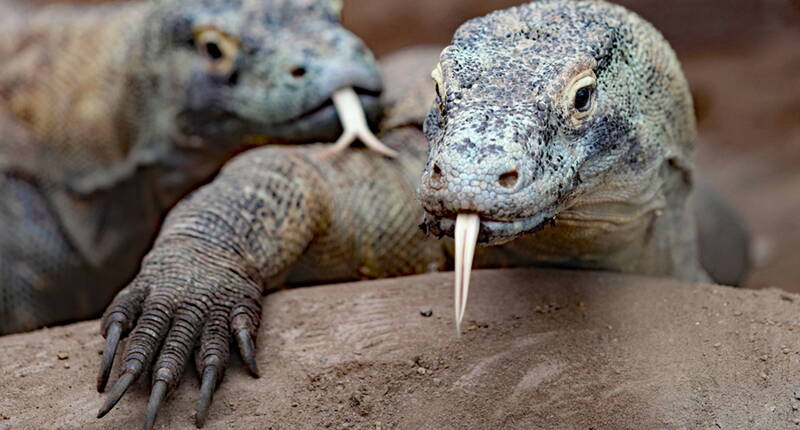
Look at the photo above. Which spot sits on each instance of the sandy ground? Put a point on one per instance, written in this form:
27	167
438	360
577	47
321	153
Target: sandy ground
541	350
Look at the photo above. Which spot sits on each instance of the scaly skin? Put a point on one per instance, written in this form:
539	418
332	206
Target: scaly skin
109	114
285	215
513	142
273	215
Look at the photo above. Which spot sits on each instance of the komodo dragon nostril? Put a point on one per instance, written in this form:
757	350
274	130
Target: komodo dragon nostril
509	179
298	72
436	179
437	171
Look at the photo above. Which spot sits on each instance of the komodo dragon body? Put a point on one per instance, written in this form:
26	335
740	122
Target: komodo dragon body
109	114
613	177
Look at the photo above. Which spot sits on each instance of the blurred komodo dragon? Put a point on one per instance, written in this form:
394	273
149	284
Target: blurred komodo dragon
109	114
576	111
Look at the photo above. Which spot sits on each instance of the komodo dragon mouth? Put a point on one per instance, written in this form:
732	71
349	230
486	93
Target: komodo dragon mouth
327	107
469	229
349	104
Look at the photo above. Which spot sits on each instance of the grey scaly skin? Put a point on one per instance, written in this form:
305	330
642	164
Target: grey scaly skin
109	114
574	118
292	215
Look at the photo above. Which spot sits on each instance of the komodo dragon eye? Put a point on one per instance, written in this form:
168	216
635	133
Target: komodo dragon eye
219	48
582	94
583	99
337	6
213	51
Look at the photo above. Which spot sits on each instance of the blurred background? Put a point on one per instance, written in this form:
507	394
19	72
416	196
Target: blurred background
742	59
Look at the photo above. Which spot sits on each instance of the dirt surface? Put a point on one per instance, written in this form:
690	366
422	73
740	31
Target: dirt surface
541	350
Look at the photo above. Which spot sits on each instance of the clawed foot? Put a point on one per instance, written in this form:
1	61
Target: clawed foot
167	321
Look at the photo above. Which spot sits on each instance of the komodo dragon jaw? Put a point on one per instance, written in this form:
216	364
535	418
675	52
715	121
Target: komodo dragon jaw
543	109
270	73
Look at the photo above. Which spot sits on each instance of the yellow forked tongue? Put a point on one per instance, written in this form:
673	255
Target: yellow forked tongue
467	226
355	124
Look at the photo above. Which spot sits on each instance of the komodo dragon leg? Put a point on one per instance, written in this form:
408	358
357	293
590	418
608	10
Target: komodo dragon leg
204	277
273	214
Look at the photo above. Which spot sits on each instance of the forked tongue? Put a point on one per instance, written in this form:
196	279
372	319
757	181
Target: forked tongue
354	123
467	226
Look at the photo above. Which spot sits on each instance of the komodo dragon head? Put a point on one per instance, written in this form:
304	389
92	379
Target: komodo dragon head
545	107
255	68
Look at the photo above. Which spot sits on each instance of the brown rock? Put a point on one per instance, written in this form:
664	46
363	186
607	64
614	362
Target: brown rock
565	369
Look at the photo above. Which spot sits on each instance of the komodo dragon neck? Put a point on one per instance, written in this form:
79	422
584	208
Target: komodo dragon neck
620	227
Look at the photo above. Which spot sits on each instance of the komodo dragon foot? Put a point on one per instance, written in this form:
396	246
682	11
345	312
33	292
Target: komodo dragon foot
180	309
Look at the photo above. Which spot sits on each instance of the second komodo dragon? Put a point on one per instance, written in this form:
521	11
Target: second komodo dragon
572	111
109	114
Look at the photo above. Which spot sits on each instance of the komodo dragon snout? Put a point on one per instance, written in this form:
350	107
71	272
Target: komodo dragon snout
539	108
270	71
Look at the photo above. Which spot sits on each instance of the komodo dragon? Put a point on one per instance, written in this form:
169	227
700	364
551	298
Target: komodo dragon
109	114
569	114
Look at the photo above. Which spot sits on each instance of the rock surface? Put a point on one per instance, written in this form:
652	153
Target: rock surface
541	349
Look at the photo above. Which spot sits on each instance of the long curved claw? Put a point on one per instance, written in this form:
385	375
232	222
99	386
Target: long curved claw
247	351
117	322
150	329
170	329
117	391
175	350
355	126
207	388
466	236
156	397
211	359
113	335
